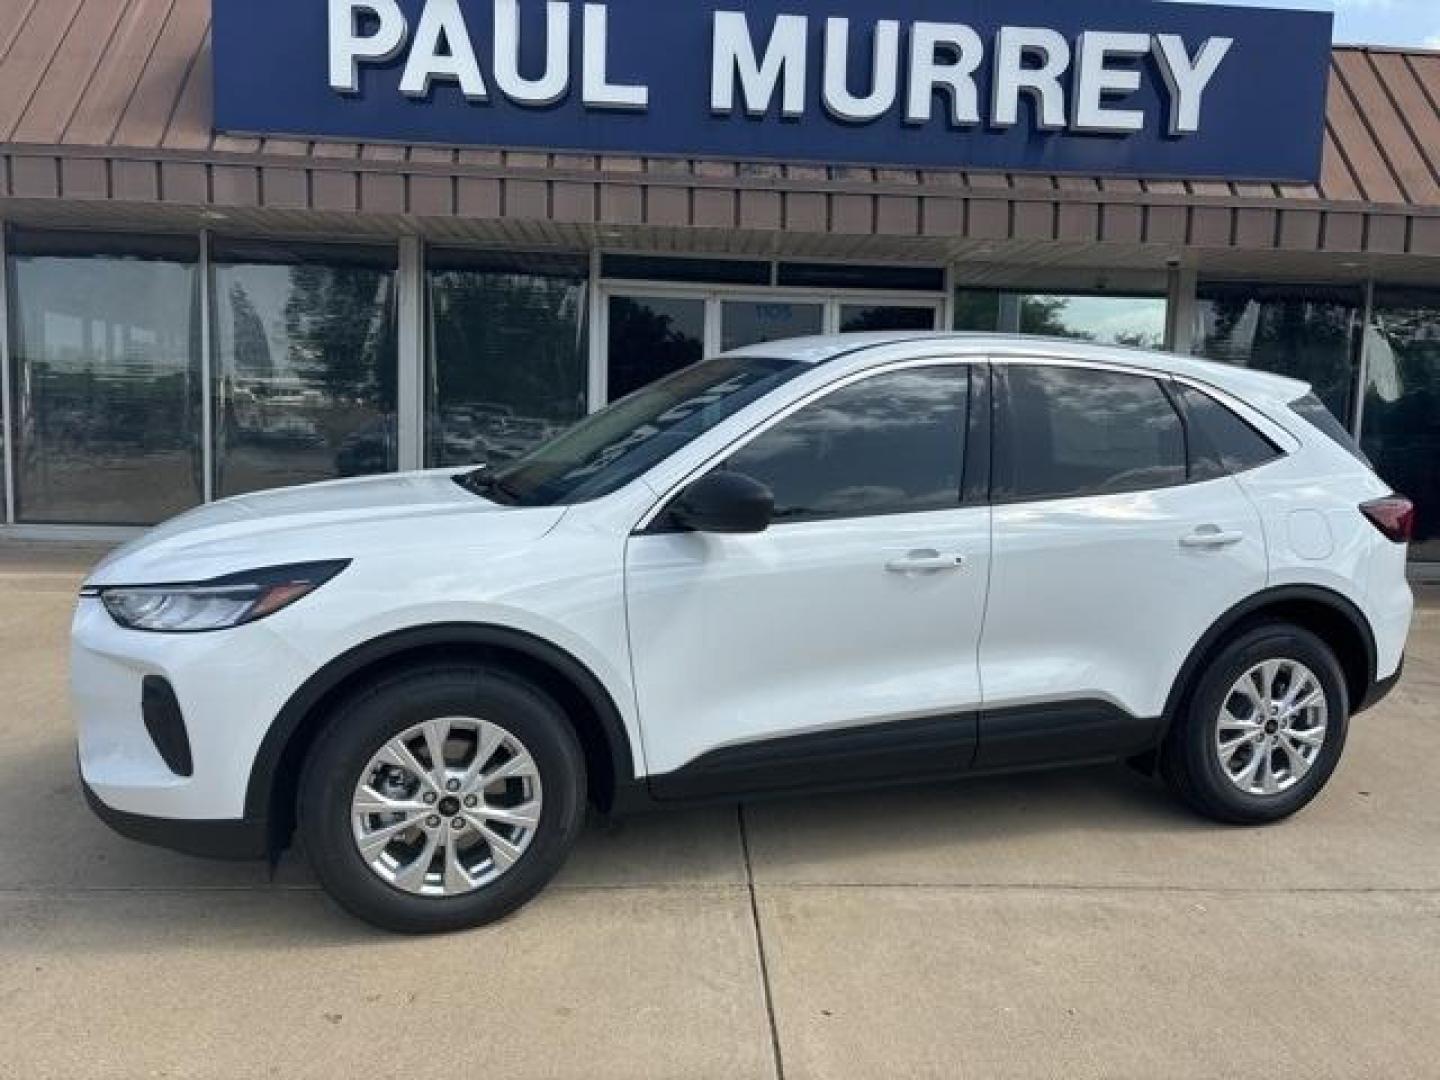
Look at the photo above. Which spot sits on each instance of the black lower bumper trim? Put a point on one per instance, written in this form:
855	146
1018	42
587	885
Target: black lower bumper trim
234	840
1381	689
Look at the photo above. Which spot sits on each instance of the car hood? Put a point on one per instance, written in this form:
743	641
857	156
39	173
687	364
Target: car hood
343	519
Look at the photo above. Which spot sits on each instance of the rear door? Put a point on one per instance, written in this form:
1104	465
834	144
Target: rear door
842	643
1114	552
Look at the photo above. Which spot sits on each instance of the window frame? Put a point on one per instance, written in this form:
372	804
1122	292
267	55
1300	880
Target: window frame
975	446
1164	380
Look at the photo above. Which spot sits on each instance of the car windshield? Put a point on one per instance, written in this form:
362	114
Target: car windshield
607	450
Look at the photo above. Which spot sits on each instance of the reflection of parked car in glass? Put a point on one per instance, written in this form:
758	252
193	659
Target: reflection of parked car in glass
810	564
288	429
368	450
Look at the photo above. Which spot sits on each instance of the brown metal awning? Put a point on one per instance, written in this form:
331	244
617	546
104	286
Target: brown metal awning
105	117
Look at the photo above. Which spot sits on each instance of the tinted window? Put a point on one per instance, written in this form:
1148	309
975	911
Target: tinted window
1314	411
1221	442
892	444
1071	431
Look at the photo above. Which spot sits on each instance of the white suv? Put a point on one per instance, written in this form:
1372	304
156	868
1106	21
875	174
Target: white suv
810	564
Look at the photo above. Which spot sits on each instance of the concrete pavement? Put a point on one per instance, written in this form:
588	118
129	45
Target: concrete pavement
1059	925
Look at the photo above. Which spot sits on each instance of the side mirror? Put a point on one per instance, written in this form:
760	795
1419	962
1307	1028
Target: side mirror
724	502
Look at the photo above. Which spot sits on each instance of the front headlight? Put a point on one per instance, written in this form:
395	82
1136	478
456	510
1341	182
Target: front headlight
214	605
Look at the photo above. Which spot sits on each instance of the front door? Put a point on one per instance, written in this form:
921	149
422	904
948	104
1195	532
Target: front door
842	643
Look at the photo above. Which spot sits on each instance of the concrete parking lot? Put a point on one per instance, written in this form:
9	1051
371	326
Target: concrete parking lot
1060	925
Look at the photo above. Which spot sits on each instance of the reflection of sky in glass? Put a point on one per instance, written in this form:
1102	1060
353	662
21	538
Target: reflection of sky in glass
1106	319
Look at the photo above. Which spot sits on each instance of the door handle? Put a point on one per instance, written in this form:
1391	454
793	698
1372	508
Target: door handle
925	562
1211	537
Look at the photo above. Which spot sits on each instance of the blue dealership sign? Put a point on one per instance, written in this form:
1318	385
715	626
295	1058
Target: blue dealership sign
1128	87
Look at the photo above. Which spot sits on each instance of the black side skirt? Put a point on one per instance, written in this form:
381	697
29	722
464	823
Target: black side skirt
934	748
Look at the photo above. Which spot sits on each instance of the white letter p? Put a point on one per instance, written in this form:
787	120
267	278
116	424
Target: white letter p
348	48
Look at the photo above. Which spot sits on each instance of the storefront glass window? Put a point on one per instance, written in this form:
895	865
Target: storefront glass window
651	337
864	318
1309	333
1108	320
1401	430
106	384
305	364
508	353
754	322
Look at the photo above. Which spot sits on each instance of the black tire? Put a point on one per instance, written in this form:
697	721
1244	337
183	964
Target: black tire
362	725
1189	761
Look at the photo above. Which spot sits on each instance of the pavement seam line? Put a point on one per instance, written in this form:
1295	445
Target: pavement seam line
760	946
797	886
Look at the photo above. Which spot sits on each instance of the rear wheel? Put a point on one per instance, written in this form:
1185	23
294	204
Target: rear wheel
442	798
1263	730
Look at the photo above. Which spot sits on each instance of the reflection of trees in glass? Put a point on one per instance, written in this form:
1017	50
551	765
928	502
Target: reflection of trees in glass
1308	339
337	318
511	339
1045	315
1049	315
252	344
1402	423
645	344
509	361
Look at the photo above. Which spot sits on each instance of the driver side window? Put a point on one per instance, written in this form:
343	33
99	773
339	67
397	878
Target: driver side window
889	444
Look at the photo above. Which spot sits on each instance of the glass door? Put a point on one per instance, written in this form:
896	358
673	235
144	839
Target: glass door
858	317
654	329
756	321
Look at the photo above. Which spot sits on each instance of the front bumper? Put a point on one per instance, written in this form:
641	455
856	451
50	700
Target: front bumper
244	839
227	689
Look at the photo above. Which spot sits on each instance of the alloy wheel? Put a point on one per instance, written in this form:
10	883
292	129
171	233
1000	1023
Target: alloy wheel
447	807
1272	727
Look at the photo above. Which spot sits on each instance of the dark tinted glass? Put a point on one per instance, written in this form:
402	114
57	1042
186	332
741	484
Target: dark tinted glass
892	444
651	337
507	355
106	385
1402	405
755	322
845	275
305	364
1221	442
1314	411
663	268
1072	431
1309	333
610	448
863	318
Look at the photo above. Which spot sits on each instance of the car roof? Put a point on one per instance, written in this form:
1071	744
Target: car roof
862	350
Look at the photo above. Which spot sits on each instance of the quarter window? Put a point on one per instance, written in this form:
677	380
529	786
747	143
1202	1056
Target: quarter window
1221	442
1066	432
892	444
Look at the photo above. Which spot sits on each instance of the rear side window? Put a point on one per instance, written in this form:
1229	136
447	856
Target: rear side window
1064	432
1313	411
1221	442
891	444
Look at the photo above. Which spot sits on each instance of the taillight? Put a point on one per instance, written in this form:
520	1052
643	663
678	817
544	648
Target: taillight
1394	516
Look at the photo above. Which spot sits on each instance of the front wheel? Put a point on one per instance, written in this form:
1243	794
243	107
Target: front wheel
442	798
1263	730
